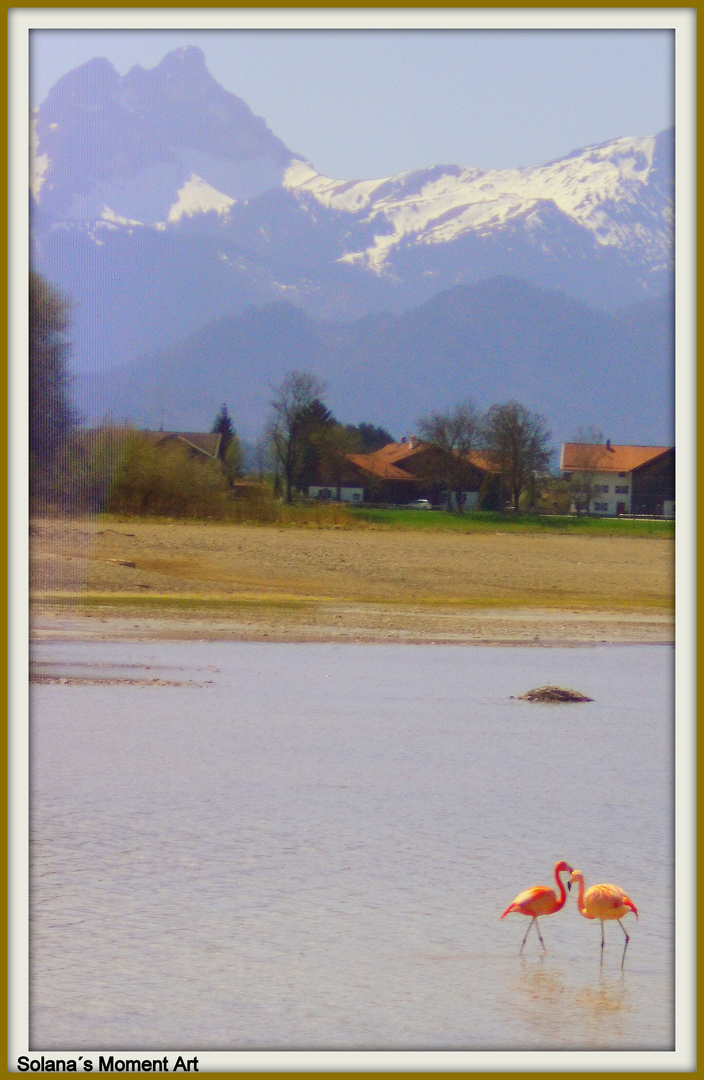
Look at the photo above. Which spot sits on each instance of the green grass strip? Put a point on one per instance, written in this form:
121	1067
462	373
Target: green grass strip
480	521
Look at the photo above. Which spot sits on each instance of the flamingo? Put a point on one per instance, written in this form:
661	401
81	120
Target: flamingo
603	902
540	900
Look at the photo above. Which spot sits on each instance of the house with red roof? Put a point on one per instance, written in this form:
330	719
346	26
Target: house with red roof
403	472
610	479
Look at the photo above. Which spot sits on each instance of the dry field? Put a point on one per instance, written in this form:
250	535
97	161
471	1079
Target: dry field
143	579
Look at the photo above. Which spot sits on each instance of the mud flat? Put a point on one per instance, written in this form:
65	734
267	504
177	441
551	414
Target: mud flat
92	580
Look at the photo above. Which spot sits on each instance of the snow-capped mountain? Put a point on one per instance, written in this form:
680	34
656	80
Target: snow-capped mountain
597	189
169	143
160	203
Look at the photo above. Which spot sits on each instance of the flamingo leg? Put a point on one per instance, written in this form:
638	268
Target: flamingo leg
526	935
627	940
537	929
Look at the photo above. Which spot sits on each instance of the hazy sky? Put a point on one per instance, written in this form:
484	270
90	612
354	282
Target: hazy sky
367	103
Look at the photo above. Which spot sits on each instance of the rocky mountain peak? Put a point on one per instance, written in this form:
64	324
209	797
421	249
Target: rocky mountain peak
182	76
162	203
188	62
90	85
125	146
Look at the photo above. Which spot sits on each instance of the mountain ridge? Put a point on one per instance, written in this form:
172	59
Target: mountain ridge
493	341
160	204
168	150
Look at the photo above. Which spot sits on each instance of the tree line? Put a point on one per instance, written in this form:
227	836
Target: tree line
308	442
302	440
72	470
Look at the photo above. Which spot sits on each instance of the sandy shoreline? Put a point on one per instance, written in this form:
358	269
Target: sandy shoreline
95	580
356	625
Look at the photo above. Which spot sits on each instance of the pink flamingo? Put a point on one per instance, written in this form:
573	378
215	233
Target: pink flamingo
603	902
540	900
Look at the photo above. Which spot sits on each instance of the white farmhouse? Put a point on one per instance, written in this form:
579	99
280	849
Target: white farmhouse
612	480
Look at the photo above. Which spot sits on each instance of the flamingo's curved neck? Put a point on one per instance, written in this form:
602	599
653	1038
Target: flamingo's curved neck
561	887
580	897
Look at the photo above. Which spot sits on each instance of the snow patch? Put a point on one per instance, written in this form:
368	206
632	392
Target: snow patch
110	216
198	197
38	163
239	180
350	196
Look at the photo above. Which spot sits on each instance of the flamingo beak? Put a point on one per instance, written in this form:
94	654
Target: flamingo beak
569	886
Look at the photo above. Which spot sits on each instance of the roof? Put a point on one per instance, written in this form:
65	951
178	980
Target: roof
205	441
484	460
388	461
597	457
380	463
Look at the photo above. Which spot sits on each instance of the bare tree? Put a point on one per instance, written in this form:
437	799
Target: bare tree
584	460
289	427
518	441
261	457
52	416
455	434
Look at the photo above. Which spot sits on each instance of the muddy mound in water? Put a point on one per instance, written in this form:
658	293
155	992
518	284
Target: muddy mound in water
553	694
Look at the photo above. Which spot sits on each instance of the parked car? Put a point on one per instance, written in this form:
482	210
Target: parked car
420	504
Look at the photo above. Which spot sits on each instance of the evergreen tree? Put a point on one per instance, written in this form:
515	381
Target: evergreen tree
230	448
369	437
316	426
223	426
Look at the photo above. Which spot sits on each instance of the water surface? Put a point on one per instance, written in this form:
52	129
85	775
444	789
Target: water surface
309	847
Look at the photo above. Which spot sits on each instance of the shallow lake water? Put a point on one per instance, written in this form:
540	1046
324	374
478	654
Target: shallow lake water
308	847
